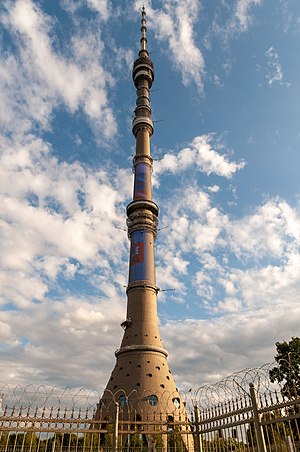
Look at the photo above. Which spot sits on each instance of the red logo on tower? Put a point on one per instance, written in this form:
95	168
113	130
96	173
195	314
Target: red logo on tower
137	255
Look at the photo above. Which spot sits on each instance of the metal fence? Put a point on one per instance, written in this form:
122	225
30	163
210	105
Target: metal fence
244	412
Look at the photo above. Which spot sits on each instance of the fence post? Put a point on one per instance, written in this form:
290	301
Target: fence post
116	429
258	428
197	437
289	443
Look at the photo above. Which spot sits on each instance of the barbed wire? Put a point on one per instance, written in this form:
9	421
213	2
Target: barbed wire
236	385
49	397
232	387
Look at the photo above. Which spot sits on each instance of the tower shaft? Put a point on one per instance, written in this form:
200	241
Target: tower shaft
141	378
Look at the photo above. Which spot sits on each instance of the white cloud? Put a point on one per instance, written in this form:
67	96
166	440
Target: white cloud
199	154
249	301
197	230
274	69
239	20
272	230
5	331
28	287
40	78
204	351
80	320
213	188
57	218
170	269
53	213
175	23
242	12
233	265
268	285
194	227
53	347
290	17
266	274
102	7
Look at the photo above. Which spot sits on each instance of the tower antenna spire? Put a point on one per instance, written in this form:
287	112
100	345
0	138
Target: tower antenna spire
143	31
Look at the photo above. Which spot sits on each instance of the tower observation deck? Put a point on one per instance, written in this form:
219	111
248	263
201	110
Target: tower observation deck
141	378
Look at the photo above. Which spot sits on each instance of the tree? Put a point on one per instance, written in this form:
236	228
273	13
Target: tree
288	369
288	372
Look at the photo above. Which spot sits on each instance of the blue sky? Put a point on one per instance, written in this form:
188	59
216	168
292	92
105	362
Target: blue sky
226	149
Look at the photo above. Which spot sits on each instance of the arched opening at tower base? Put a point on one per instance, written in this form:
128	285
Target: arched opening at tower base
139	425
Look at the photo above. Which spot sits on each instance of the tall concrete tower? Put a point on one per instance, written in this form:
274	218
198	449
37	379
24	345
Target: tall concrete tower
141	378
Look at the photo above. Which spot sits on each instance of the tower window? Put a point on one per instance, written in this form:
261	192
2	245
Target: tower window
149	375
162	386
123	400
152	400
168	378
157	367
176	402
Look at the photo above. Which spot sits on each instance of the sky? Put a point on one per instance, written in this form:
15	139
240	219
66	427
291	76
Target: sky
225	102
